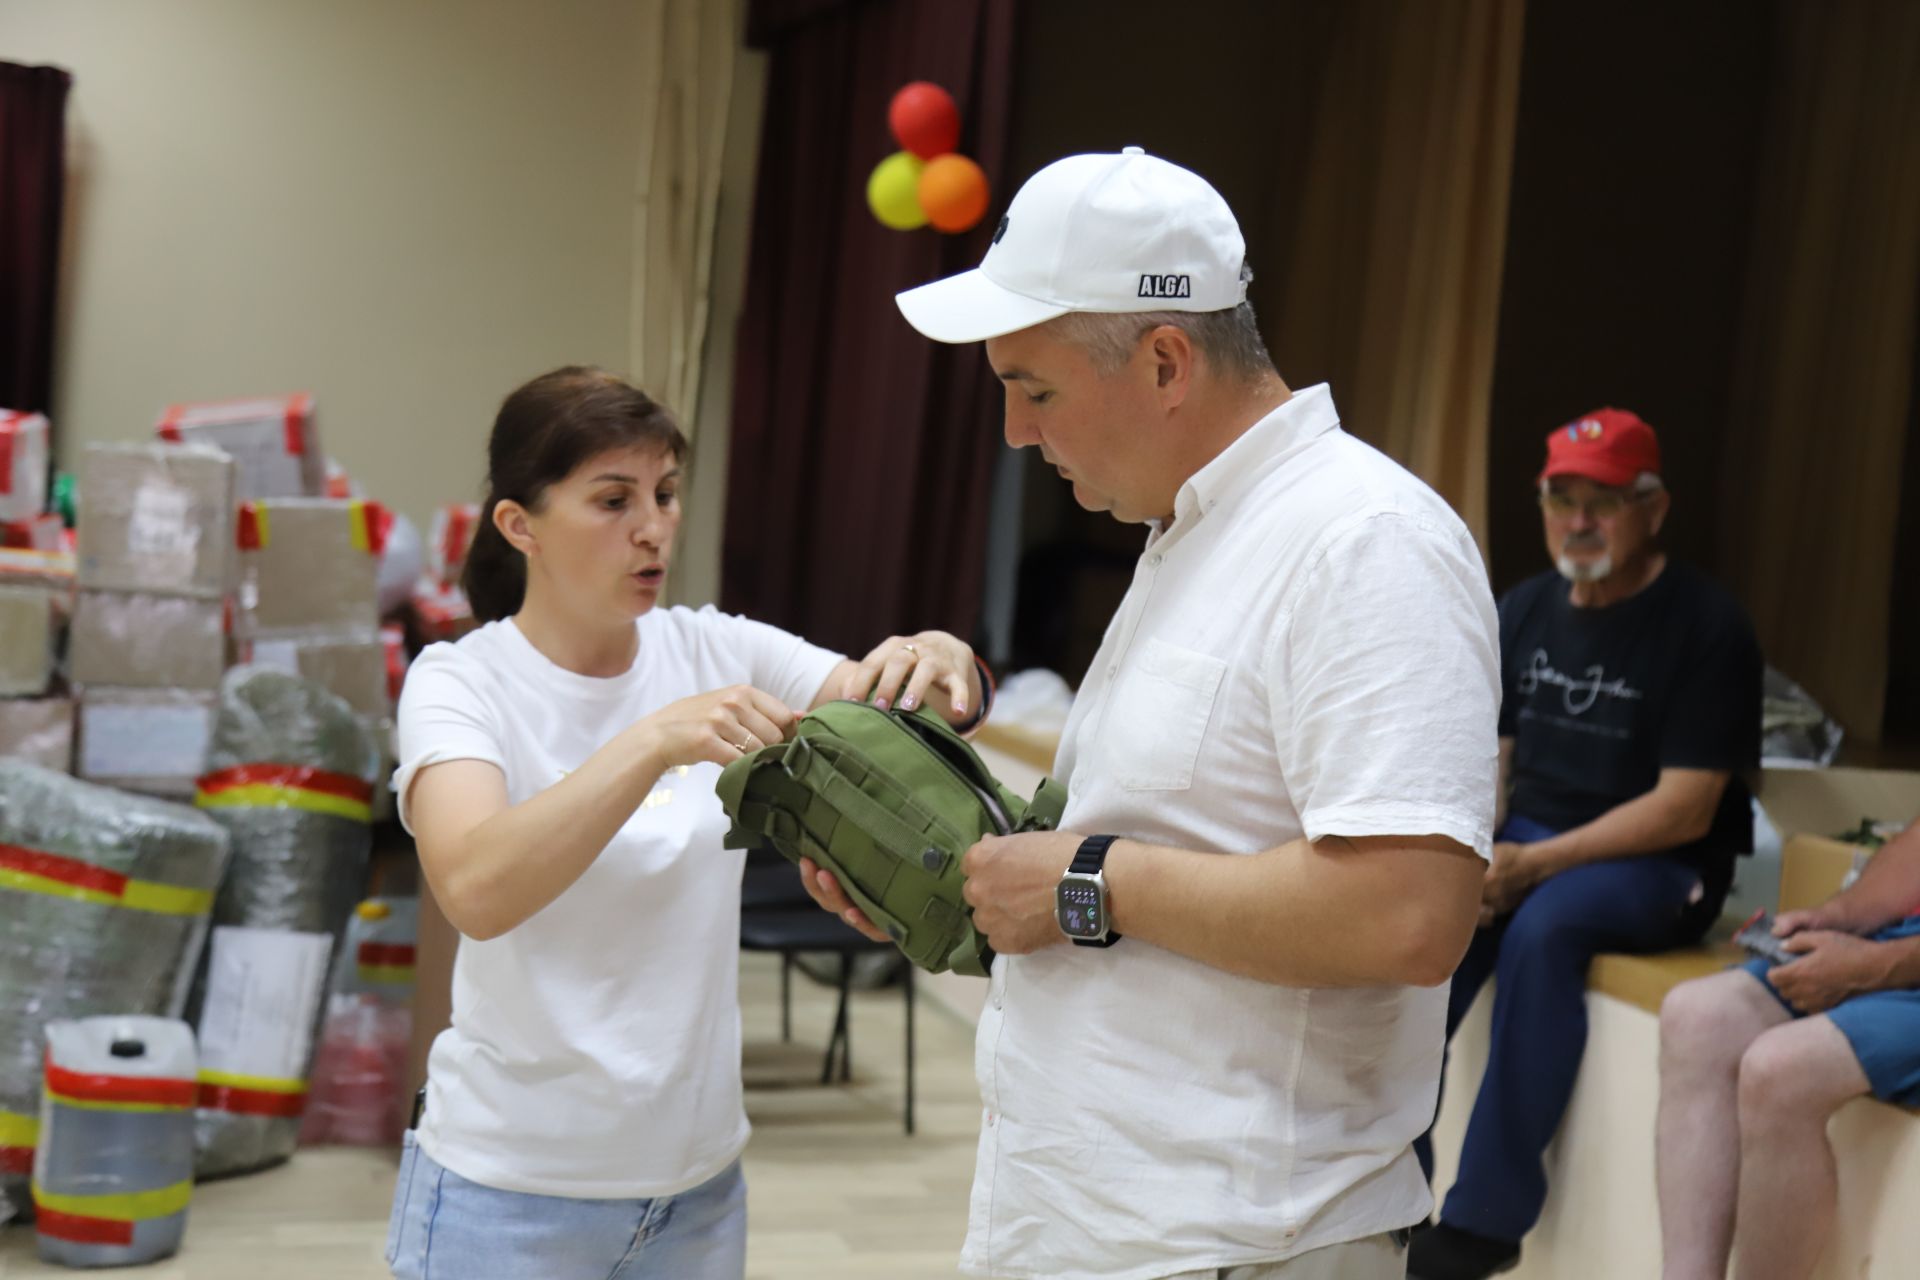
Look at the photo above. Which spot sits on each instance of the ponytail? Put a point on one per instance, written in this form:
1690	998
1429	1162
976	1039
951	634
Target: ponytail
495	578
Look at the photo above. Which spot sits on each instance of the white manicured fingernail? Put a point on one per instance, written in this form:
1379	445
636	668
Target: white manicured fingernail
908	703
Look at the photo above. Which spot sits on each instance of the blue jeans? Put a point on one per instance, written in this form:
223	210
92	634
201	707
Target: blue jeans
1540	955
447	1228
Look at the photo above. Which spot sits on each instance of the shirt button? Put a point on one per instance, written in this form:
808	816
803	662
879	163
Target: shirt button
1154	560
1113	671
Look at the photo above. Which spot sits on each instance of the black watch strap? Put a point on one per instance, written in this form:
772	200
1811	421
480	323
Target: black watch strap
1088	859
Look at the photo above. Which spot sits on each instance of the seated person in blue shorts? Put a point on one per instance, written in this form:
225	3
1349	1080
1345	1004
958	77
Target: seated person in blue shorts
1630	710
1753	1062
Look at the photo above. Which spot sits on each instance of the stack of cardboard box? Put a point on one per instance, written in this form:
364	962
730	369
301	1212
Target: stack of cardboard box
439	603
23	472
306	561
25	451
36	590
273	440
151	633
309	596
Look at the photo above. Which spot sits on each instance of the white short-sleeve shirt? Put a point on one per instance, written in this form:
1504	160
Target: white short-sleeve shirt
595	1048
1309	648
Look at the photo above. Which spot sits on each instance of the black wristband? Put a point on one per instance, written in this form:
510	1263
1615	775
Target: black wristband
986	698
1091	855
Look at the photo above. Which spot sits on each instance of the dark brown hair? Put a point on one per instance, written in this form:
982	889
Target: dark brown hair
542	432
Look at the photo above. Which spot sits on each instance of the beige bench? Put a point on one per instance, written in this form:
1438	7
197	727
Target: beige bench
1602	1217
1811	870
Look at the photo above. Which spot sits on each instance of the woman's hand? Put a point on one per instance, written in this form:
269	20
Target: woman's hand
903	670
718	727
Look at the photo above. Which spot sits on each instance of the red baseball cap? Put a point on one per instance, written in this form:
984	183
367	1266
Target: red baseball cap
1607	446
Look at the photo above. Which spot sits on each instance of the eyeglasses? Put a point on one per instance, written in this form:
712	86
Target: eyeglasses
1601	506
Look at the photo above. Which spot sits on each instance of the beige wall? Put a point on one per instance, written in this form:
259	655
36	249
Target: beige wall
405	206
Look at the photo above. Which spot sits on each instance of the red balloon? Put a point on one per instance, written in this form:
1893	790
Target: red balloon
924	119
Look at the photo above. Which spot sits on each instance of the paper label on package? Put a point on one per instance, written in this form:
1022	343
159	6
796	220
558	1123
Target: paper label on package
162	521
144	741
263	995
277	655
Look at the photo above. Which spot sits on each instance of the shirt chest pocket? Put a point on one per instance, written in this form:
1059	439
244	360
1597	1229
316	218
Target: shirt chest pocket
1161	707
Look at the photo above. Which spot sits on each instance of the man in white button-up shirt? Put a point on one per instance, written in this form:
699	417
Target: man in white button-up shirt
1281	767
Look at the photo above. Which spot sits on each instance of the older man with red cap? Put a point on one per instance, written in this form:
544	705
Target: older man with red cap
1630	710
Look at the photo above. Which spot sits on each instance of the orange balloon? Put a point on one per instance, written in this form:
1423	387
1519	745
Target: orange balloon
953	191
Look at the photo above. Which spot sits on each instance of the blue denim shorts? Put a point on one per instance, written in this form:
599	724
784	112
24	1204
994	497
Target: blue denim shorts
1882	1026
445	1227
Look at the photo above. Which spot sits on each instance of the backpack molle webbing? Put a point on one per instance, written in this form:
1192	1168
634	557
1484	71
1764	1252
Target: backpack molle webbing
889	802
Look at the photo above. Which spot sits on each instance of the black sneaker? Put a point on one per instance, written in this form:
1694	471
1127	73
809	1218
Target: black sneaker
1444	1252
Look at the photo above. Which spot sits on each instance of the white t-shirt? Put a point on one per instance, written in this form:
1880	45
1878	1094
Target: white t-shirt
1308	649
595	1048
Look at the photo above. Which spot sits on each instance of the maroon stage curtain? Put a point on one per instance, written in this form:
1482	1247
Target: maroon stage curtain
33	113
861	453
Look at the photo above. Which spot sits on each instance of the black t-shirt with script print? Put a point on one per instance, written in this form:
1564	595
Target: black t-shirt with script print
1598	701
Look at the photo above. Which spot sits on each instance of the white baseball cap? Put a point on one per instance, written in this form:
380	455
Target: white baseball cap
1109	233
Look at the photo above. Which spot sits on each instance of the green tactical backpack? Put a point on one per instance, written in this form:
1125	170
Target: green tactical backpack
889	802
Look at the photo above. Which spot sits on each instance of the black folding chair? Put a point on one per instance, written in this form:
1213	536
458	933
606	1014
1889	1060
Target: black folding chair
777	916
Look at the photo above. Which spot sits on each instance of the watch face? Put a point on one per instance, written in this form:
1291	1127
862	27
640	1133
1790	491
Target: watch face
1079	909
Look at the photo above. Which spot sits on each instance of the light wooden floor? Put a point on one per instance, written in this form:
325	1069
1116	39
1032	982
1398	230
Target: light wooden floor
836	1189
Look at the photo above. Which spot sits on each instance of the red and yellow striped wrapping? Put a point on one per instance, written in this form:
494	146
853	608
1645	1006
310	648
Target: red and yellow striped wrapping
37	871
285	786
388	962
94	1092
107	1219
19	1134
252	1095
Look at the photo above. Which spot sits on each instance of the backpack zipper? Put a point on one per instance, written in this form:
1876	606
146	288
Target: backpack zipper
996	812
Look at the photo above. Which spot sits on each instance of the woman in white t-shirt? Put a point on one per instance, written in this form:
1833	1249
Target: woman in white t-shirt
583	1113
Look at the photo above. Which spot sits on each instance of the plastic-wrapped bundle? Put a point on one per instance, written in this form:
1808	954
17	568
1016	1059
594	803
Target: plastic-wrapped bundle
114	1170
290	776
359	1072
104	903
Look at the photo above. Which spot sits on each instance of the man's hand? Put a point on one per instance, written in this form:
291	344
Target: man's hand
1511	876
1011	883
1788	923
1832	966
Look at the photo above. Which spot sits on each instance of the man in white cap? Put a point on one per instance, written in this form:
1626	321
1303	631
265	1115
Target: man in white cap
1281	768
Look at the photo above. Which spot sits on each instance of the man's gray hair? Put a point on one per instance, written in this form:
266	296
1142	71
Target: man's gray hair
1228	339
1647	482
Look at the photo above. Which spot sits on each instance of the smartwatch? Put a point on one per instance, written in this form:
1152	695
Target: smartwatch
1080	901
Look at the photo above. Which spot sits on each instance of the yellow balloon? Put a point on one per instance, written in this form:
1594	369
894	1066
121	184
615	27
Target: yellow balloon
893	191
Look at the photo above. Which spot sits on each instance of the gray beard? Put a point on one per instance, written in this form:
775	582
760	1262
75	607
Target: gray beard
1574	571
